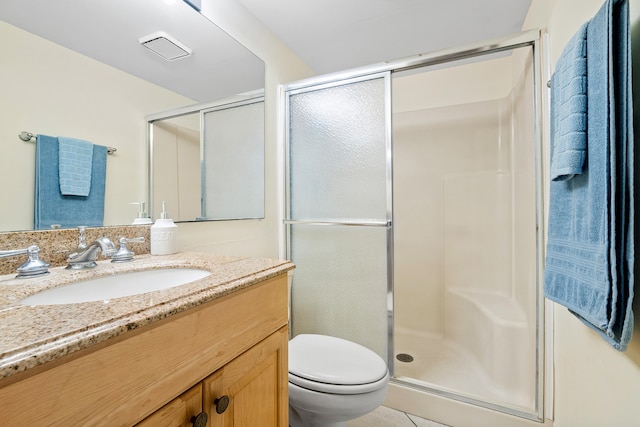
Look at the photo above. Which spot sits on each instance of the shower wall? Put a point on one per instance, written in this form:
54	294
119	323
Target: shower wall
464	227
439	139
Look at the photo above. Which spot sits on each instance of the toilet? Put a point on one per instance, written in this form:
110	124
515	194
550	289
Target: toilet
332	381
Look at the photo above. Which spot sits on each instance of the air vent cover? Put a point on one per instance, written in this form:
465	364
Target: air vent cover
165	46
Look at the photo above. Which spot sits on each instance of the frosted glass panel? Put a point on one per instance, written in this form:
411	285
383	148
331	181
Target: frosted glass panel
340	283
233	157
337	138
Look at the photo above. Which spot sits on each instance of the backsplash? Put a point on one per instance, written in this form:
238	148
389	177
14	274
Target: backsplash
56	244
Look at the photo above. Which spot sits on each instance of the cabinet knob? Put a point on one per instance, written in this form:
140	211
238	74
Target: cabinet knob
199	420
222	403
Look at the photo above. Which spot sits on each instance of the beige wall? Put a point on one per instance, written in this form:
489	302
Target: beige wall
52	90
594	384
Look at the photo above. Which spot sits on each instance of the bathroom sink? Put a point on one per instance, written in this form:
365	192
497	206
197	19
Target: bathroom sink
116	286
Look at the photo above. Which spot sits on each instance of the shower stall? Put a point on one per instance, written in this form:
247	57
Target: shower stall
413	211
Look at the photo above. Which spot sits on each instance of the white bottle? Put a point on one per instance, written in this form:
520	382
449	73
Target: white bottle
164	235
142	217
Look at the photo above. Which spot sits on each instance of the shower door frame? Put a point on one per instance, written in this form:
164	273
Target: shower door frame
532	39
313	85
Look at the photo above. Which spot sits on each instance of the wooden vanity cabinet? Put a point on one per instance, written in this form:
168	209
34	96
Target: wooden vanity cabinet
164	373
180	412
247	392
252	390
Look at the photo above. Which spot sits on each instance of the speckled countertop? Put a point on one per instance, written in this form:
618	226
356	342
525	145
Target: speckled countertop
34	335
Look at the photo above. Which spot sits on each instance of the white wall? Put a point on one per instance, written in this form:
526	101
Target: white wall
440	137
595	385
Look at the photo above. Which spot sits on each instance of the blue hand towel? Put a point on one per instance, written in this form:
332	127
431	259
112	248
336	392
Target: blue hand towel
590	247
75	158
569	109
51	206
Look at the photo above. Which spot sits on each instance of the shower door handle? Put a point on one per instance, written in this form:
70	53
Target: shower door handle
343	223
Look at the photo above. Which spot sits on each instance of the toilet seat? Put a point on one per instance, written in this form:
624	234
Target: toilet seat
333	365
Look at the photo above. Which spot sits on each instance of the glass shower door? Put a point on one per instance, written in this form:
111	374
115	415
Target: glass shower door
339	210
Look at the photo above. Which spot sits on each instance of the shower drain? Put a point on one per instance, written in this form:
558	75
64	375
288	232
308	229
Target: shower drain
404	357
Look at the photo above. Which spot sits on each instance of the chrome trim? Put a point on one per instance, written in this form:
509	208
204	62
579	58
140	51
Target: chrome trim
30	137
246	98
150	169
390	254
460	397
234	101
342	222
538	92
525	38
287	93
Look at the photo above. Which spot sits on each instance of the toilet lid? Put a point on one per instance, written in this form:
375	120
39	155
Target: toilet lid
331	360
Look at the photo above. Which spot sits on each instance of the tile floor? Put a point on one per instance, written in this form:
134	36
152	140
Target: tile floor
387	417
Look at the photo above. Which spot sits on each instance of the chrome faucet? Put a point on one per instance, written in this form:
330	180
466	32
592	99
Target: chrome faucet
34	266
85	257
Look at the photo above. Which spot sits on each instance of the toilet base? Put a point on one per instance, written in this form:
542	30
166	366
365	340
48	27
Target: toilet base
312	409
296	421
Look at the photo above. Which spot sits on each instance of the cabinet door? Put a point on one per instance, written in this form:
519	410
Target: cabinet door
251	390
180	412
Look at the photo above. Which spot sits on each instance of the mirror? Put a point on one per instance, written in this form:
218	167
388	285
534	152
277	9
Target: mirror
77	68
226	138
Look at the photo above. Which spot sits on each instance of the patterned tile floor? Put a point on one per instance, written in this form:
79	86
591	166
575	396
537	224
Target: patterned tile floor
387	417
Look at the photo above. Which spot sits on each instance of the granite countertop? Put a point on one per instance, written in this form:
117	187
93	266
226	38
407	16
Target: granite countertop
34	335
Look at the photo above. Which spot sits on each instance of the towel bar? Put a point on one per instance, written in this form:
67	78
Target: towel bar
28	136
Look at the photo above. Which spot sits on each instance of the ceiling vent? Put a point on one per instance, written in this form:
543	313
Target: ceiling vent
166	46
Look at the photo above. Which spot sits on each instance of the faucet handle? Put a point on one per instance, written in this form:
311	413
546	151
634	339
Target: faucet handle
124	254
82	236
34	266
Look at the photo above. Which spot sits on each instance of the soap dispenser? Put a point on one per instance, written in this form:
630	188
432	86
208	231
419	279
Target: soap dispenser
164	234
142	217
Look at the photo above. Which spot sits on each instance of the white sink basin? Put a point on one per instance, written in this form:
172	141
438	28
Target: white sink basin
116	286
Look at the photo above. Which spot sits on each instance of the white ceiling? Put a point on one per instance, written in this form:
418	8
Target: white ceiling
335	35
329	35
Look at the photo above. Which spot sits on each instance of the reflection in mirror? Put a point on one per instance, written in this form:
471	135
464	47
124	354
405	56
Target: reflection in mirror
233	161
175	166
76	68
207	161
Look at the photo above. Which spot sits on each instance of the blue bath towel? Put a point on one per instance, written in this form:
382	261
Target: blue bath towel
569	109
75	158
590	247
51	206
